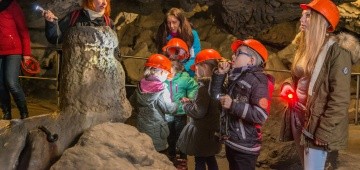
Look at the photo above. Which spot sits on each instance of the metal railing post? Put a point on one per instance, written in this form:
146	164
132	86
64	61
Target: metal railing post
357	98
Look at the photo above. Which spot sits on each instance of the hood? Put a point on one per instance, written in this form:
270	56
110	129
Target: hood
145	99
349	43
4	4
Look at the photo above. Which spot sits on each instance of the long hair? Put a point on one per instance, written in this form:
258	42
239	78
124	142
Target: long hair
310	45
185	29
90	4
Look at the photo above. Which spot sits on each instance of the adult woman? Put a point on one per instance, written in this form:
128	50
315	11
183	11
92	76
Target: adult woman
93	13
177	25
318	121
14	46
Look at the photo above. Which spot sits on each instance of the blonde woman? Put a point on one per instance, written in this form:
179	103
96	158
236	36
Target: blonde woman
321	71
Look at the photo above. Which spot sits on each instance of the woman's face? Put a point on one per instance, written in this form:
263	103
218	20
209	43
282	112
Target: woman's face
305	20
173	23
100	5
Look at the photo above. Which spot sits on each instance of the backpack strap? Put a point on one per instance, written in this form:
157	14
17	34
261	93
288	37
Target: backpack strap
74	16
107	20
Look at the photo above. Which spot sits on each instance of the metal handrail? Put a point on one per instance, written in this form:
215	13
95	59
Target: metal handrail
145	58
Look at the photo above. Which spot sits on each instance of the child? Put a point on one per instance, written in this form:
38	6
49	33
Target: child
246	102
182	85
151	101
198	136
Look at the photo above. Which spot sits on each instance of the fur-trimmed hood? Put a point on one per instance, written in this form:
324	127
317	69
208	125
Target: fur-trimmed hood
349	43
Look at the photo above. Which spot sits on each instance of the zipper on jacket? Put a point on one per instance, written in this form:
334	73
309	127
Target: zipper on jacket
171	92
176	88
242	129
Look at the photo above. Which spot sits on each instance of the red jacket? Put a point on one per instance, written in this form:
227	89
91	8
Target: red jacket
14	34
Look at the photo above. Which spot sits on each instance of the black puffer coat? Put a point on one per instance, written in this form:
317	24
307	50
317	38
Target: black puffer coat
53	35
198	136
251	92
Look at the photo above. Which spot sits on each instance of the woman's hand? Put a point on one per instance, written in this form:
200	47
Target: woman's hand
225	101
320	142
223	67
49	16
26	57
285	89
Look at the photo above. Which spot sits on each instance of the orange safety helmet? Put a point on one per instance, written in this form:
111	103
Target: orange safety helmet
159	61
253	44
30	67
326	8
206	54
177	49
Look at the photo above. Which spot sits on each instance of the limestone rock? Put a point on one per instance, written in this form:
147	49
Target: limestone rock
113	146
93	80
12	140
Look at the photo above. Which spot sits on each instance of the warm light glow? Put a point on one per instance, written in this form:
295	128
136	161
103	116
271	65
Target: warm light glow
290	96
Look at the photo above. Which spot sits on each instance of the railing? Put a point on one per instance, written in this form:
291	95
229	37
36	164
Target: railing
143	58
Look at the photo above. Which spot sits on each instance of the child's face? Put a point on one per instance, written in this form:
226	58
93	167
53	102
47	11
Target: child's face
242	57
163	75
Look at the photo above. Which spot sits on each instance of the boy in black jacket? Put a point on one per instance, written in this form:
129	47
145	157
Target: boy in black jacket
245	102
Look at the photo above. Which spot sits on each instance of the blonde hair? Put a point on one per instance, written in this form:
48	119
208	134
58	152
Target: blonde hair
311	42
212	64
151	71
90	4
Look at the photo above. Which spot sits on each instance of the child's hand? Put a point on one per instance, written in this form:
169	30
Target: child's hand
223	67
184	100
285	89
49	16
225	101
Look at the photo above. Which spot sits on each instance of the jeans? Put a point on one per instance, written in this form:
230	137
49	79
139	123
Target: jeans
240	161
9	83
314	159
175	127
201	162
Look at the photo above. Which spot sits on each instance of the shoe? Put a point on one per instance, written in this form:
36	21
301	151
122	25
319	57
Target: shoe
23	110
7	112
24	115
7	116
181	164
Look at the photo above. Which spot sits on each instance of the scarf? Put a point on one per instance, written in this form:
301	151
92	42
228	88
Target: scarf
93	14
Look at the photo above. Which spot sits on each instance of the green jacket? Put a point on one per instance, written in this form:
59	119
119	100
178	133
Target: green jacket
182	85
326	115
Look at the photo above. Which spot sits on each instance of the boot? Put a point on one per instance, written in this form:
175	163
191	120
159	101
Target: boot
7	115
6	111
23	110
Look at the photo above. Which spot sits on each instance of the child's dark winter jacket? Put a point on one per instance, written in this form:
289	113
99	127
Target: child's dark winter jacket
250	90
198	136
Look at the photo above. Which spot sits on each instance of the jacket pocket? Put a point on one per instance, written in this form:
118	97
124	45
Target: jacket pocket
7	42
164	130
